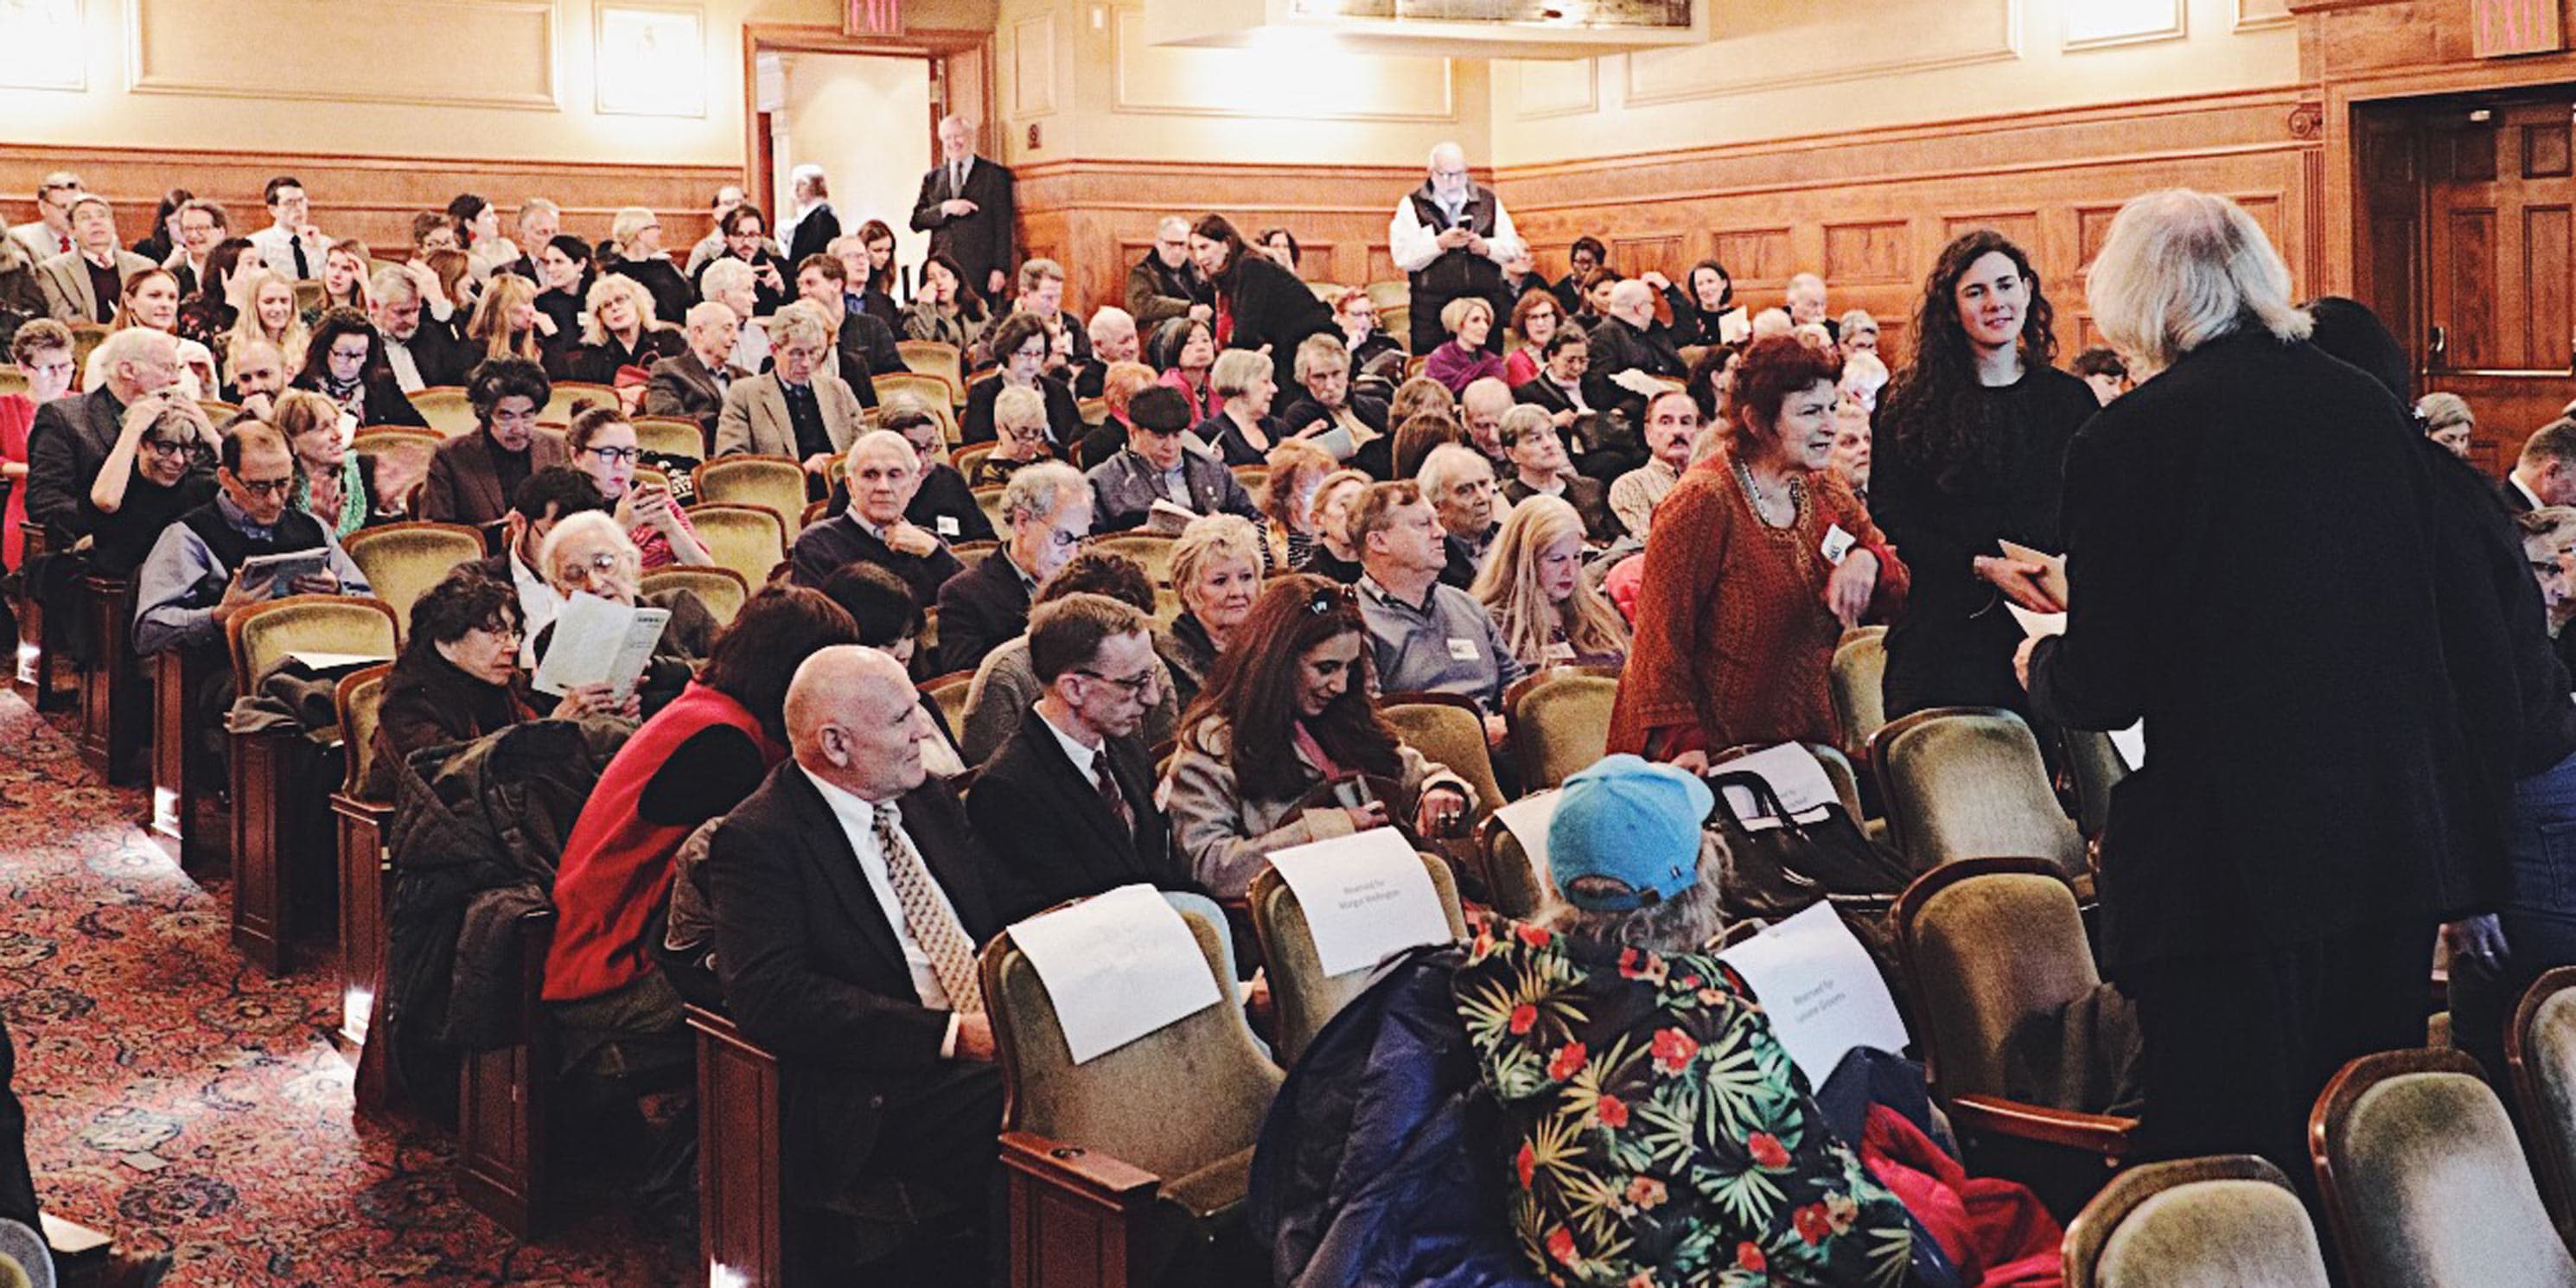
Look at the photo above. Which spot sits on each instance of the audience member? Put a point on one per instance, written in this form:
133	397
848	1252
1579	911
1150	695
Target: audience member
1216	568
1771	322
1425	635
945	310
42	352
729	282
867	264
345	362
1857	334
695	760
1260	306
1463	359
202	225
1564	357
332	483
1113	338
798	409
22	297
1630	353
2266	937
1534	587
813	226
2447	421
1581	260
1296	468
1480	412
602	444
590	554
1356	314
151	301
1020	347
473	476
1459	484
420	350
506	323
50	232
160	468
1344	423
1805	299
693	382
549	496
712	245
1241	432
1977	431
258	377
1706	312
1165	284
618	331
1285	746
1047	509
1068	804
1019	436
1184	350
850	897
2545	472
1006	685
1596	296
873	529
1157	466
1451	237
1672	430
478	234
1852	449
1416	436
1757	563
458	676
1118	387
291	243
221	294
1635	905
636	236
866	346
966	205
1041	296
70	437
267	313
433	231
83	284
539	222
2103	372
942	501
746	239
1334	557
1535	319
344	279
1541	468
891	623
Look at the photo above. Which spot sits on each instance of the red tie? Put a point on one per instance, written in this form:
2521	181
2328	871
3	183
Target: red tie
66	248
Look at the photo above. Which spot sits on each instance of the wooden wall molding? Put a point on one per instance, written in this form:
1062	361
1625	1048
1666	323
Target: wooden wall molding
1896	38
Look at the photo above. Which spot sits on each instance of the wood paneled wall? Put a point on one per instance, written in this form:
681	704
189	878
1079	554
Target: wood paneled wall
371	198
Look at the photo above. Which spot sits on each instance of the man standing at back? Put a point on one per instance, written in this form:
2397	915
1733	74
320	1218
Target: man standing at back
1452	238
966	207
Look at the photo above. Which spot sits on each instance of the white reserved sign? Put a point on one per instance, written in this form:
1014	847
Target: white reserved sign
1794	775
1821	989
1117	966
1528	820
1366	898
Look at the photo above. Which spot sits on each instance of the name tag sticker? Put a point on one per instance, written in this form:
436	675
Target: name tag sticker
1837	544
1461	650
947	525
1560	651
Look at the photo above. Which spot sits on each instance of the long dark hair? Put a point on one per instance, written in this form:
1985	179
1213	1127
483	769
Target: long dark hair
970	294
1218	228
327	330
220	263
1935	409
879	279
1254	690
756	657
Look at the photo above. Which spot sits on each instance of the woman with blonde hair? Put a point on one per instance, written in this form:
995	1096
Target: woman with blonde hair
1334	554
618	329
636	233
1297	471
507	323
332	483
1533	584
1216	570
268	313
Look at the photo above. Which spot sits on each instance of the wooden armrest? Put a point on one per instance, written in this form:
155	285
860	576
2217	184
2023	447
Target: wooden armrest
360	809
2112	1137
1102	1178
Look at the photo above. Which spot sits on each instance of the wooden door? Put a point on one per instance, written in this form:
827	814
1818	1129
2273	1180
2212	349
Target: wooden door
2499	229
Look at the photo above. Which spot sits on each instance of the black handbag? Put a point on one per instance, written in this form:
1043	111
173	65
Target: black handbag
1773	870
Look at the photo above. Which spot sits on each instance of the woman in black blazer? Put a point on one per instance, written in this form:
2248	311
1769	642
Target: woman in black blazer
2251	539
1020	345
346	363
1257	302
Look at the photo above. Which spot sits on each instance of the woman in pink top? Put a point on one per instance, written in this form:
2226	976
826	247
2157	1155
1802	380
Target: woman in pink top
1184	350
43	352
603	447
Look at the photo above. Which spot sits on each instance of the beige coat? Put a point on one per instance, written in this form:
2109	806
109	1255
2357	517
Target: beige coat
755	419
1229	839
68	293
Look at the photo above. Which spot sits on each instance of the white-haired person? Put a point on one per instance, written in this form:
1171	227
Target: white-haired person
619	329
730	282
1533	585
1618	962
2274	880
1216	570
1047	511
590	554
1241	432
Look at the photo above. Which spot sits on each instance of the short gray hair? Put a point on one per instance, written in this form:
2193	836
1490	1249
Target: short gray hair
1318	352
1020	405
706	311
802	319
1687	923
1036	492
128	346
391	284
1235	370
537	206
2181	268
2443	410
724	276
1520	420
1445	464
598	523
1110	316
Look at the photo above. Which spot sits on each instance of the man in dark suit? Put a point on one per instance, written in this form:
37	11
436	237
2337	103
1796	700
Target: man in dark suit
71	436
1157	466
1048	508
850	898
422	349
693	383
1629	350
1067	804
2545	474
966	207
873	529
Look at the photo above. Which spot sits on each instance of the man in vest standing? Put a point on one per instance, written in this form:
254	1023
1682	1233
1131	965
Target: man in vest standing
1451	238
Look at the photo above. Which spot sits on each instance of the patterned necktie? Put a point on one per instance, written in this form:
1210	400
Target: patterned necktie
1115	799
933	926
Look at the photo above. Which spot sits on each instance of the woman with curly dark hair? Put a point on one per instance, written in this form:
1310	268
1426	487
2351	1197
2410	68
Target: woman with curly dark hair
1972	442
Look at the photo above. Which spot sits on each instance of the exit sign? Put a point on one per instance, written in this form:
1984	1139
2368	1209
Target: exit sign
2504	28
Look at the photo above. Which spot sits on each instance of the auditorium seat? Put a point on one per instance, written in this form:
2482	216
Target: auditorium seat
403	560
1451	730
1969	783
2423	1182
558	409
446	409
365	863
268	866
1151	549
43	674
988	498
1255	480
1514	886
966	458
2229	1221
1560	720
671	436
1859	666
1107	1185
775	483
503	1101
2540	1048
2093	768
949	692
749	539
1970	1002
1302	996
931	358
721	589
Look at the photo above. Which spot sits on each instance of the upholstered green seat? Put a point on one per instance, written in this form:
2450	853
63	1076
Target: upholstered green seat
1560	723
1969	783
1303	995
2224	1222
2541	1047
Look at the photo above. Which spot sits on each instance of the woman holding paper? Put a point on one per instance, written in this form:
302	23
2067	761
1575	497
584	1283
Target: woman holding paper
1285	746
1759	559
1972	442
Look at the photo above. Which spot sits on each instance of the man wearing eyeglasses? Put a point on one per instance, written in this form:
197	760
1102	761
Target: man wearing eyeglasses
1048	508
1067	805
50	233
1452	238
1165	284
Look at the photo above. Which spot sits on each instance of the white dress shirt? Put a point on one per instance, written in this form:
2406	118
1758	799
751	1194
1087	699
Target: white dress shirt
1081	756
539	604
858	820
1413	244
277	250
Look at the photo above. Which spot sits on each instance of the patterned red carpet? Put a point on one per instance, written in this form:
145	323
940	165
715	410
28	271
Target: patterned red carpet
186	1103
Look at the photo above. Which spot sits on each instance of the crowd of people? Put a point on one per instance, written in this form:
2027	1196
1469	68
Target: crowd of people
1621	471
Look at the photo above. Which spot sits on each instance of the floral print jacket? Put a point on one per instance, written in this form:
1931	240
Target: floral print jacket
1659	1135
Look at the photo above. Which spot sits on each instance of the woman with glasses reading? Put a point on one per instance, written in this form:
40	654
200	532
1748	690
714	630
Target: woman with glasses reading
458	676
1285	746
604	447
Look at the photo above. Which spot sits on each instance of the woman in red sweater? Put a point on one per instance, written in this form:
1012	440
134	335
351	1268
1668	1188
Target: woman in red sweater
693	761
43	351
1760	557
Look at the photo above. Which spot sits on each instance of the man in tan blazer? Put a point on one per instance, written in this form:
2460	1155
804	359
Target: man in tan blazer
72	282
799	409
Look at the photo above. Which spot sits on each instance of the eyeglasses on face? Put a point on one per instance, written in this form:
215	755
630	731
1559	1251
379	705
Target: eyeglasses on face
1137	685
268	487
601	564
616	455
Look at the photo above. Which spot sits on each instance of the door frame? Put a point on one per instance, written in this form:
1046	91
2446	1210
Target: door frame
939	47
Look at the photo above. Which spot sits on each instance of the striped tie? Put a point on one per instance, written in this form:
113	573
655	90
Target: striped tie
933	926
